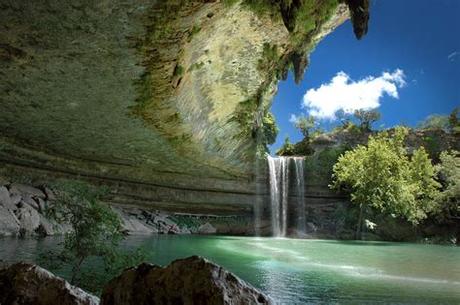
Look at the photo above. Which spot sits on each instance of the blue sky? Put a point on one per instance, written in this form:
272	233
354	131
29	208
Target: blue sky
421	38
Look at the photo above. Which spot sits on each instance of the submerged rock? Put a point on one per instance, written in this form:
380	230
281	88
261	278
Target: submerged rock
26	284
193	280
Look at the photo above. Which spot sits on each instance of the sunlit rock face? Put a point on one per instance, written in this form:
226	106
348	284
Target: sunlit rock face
140	92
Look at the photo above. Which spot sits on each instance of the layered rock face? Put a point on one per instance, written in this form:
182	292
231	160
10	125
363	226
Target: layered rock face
23	213
25	284
189	281
159	98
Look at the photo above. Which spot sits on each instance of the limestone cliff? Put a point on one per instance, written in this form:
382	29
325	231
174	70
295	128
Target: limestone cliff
167	97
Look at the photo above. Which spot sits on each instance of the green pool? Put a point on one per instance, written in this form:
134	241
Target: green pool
306	271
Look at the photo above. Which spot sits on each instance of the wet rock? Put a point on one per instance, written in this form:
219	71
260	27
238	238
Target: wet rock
191	281
29	219
207	228
24	284
5	199
22	189
9	224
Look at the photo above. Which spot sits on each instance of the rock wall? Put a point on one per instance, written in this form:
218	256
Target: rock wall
159	98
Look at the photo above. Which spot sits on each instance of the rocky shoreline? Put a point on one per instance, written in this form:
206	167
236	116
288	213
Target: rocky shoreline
23	214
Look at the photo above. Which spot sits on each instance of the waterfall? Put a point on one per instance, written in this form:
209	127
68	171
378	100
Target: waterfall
279	193
299	164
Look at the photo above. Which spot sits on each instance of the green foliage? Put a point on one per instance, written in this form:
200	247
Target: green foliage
435	121
454	121
270	130
195	30
382	176
178	70
288	149
432	145
270	57
263	7
319	166
96	232
305	124
366	118
449	198
196	66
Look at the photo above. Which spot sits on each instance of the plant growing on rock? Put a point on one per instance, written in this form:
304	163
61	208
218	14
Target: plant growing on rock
366	118
382	176
305	124
96	233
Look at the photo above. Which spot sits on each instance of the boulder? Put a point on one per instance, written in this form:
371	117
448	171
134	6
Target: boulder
41	205
15	198
190	281
22	189
5	199
207	228
31	202
29	219
9	224
26	284
132	225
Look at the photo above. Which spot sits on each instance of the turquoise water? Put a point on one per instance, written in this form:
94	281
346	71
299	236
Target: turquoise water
295	271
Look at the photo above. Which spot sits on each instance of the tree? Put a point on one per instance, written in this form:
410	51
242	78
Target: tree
305	124
288	149
435	121
366	118
382	176
454	121
449	198
96	232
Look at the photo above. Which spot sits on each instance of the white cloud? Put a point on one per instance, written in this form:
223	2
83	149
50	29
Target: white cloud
452	56
343	93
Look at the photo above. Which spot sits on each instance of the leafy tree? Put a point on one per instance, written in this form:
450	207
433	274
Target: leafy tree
305	124
435	121
366	118
382	176
449	198
96	232
288	149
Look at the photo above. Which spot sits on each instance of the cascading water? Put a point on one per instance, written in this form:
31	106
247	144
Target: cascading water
299	164
279	193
